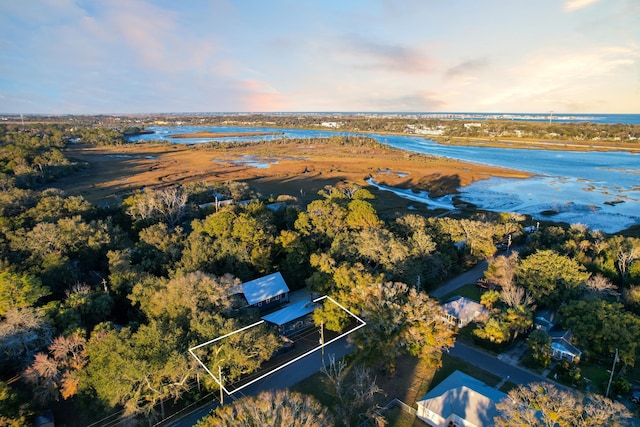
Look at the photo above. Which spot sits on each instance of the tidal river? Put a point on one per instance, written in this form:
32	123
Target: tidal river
597	189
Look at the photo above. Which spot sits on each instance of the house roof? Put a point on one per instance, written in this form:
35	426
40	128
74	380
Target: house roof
546	318
264	288
465	396
561	334
565	346
290	312
462	308
275	207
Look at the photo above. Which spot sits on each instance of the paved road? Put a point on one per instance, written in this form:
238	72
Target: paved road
459	281
282	379
494	365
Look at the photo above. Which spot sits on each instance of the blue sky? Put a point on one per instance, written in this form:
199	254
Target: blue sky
138	56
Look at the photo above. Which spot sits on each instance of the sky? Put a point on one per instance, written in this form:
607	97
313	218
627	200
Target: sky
150	56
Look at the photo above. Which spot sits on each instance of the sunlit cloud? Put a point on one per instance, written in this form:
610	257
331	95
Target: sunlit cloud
573	5
467	68
370	54
554	76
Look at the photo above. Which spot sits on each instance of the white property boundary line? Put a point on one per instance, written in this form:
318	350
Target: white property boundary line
219	382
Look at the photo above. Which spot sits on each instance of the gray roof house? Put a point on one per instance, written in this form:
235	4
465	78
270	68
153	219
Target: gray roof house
460	311
460	400
266	292
561	346
545	320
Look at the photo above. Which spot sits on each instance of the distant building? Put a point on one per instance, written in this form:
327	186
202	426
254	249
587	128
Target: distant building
266	292
331	124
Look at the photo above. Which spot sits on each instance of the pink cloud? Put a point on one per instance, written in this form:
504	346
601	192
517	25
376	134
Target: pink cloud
573	5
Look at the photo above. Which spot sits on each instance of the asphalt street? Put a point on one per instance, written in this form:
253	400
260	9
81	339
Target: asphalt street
492	364
281	379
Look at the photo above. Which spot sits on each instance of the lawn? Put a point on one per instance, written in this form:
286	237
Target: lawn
470	290
451	364
598	376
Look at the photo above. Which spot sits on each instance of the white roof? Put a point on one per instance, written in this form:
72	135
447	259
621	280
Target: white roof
291	312
264	288
463	308
465	396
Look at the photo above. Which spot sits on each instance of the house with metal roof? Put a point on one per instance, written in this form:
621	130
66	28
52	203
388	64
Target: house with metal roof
292	319
266	292
460	311
460	400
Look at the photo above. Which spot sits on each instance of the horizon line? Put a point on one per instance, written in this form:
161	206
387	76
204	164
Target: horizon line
185	113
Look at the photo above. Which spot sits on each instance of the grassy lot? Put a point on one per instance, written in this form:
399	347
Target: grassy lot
450	364
471	291
598	376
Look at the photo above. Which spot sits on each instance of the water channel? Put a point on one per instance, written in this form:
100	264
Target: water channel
597	189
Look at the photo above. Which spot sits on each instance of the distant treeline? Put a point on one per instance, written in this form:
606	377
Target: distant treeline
429	127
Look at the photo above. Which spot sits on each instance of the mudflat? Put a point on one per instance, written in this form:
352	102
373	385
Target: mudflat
111	173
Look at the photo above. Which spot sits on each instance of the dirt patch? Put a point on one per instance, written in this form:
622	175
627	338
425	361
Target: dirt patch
301	171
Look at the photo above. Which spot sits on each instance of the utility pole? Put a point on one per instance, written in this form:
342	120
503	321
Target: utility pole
613	368
221	390
322	342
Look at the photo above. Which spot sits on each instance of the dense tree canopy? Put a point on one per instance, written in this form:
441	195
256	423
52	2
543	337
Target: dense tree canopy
550	277
277	408
600	327
400	320
99	305
545	405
